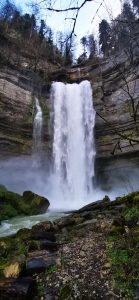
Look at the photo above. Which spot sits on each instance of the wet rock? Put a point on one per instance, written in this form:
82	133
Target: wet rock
24	234
38	265
43	227
106	199
33	245
48	245
37	204
65	222
43	235
87	215
13	204
19	289
35	265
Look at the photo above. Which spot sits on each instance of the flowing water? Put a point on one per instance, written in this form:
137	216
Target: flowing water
73	142
37	128
37	135
69	185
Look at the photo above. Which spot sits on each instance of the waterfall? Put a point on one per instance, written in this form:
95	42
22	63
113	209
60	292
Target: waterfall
37	134
37	128
73	139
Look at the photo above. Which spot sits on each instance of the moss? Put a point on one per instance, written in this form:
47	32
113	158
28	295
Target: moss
129	213
116	230
51	270
12	250
36	204
33	245
24	234
129	199
3	264
13	204
136	198
124	257
7	212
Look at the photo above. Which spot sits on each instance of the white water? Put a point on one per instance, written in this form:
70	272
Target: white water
37	134
73	143
37	127
70	184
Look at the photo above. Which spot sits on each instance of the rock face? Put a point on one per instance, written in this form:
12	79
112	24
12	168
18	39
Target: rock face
17	90
115	84
15	112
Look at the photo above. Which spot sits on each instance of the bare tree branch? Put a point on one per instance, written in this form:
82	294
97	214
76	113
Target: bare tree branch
69	8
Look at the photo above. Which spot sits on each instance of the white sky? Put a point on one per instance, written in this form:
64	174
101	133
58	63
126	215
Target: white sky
108	10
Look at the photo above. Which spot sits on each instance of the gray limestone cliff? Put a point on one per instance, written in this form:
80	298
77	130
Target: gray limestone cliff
115	83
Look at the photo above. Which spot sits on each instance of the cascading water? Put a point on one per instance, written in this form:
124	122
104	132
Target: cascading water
37	128
37	133
73	141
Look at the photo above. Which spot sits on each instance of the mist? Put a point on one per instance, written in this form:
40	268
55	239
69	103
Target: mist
25	173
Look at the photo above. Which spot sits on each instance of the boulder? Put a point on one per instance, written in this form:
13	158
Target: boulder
37	204
19	289
13	204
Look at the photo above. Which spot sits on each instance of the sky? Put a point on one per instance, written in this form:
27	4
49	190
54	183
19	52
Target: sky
89	17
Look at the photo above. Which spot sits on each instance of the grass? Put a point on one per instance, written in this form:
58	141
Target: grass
51	270
131	212
123	253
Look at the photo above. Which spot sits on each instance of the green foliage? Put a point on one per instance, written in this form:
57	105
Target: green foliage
104	36
131	212
118	256
38	39
122	249
40	289
51	270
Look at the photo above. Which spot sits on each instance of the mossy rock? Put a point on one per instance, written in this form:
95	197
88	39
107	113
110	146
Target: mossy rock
13	252
33	245
131	198
37	204
7	211
13	204
118	226
24	234
115	230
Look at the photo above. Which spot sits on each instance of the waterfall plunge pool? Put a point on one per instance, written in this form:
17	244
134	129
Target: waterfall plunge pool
68	185
10	227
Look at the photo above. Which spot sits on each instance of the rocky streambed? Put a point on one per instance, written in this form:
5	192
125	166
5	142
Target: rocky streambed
90	254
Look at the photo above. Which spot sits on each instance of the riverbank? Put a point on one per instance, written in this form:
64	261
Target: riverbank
90	254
